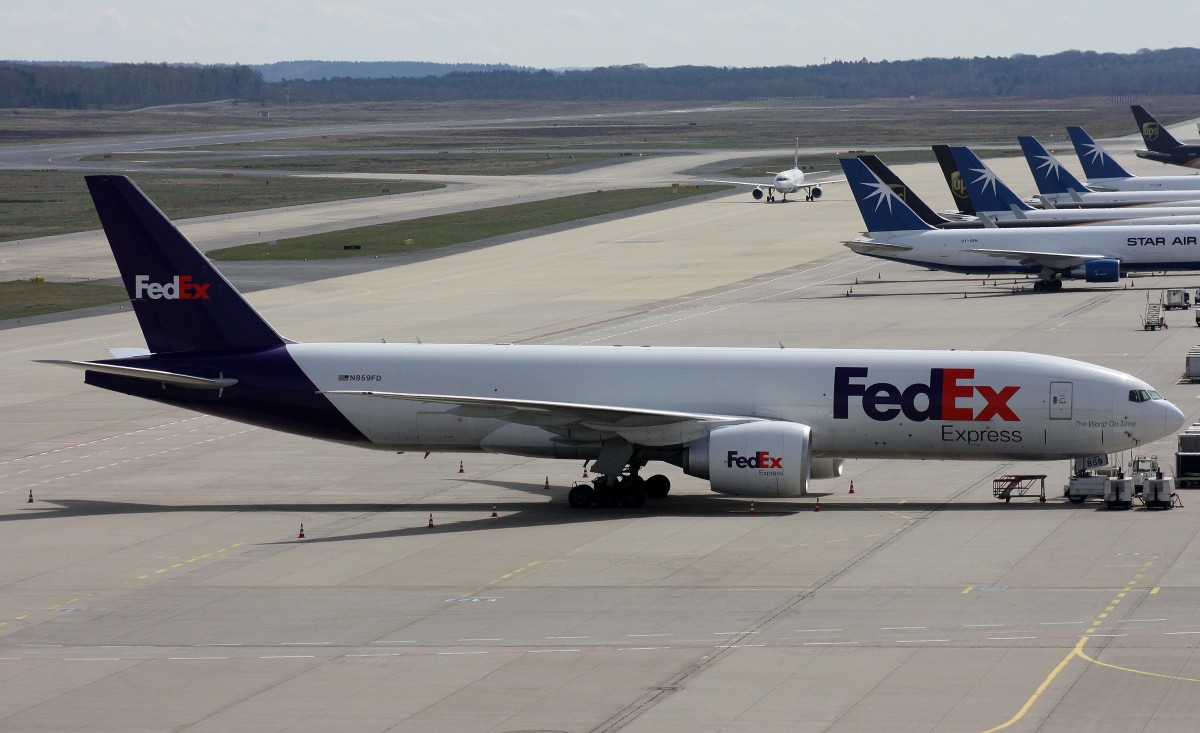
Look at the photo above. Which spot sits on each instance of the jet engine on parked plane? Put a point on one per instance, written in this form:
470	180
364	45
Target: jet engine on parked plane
1102	271
755	459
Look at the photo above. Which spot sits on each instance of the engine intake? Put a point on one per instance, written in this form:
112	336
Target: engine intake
1102	271
761	459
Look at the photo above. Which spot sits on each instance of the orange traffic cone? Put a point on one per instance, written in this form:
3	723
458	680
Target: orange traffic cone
460	467
301	535
817	508
430	525
851	487
546	486
584	471
30	497
494	515
752	509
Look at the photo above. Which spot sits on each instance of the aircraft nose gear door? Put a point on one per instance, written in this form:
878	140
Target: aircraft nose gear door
1060	400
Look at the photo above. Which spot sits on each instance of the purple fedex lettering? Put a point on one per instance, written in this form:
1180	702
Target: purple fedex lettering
946	388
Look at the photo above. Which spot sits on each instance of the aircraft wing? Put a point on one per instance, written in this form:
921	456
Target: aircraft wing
636	425
830	182
740	183
1052	260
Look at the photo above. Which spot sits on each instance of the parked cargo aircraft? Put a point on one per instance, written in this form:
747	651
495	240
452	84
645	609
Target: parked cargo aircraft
1097	253
1162	145
1002	208
992	198
753	422
1059	188
789	181
1106	174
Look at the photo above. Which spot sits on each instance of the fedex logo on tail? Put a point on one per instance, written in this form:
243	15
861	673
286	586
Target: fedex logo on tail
181	287
944	397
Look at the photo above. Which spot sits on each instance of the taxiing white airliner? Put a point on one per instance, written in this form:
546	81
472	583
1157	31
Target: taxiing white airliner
753	422
785	182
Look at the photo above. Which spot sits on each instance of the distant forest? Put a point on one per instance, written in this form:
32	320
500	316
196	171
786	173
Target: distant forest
1071	73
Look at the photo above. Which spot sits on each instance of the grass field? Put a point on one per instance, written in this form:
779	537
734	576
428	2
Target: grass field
22	298
42	203
468	226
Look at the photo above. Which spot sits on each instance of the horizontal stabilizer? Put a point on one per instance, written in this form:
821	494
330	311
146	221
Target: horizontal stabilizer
126	352
149	375
871	247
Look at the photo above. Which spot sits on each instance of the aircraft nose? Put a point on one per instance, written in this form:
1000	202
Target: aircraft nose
1172	418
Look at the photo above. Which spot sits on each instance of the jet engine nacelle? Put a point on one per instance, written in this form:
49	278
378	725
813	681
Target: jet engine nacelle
754	459
757	193
1102	271
816	192
826	467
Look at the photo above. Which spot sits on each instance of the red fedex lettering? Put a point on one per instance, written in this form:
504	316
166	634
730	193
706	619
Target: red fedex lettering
997	403
951	391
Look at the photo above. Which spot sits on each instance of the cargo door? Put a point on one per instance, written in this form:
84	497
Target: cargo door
1060	400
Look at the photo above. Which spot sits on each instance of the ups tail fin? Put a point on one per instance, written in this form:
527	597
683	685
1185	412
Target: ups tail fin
988	193
954	179
881	208
1154	134
182	302
906	194
1048	173
1096	163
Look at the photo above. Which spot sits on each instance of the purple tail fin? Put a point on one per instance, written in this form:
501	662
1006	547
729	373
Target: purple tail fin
182	302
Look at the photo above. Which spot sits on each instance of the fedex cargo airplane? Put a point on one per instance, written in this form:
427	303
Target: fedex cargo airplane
752	422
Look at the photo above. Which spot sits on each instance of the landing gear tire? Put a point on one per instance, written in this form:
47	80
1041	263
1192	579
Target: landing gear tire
658	486
633	492
581	497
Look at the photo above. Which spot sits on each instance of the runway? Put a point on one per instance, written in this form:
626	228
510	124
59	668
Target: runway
157	580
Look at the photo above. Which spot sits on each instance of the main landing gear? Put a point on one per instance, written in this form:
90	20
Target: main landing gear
630	491
1052	285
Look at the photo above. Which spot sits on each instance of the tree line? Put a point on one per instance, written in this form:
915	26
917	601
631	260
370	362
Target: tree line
1071	73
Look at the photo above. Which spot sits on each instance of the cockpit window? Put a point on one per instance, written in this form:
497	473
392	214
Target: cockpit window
1143	395
1155	395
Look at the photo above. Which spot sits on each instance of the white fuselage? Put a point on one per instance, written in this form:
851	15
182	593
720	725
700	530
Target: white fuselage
1149	183
1126	198
1148	247
858	403
788	181
1115	217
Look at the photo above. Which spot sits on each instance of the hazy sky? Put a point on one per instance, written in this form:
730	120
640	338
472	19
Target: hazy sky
553	34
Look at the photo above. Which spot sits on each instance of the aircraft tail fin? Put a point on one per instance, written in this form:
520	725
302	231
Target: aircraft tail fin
881	208
987	192
181	301
906	194
1048	173
954	179
1096	163
1154	134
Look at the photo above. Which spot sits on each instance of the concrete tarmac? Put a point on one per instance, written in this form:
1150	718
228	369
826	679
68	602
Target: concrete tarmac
157	581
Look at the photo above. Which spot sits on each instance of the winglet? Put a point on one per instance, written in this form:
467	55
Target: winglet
1096	163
